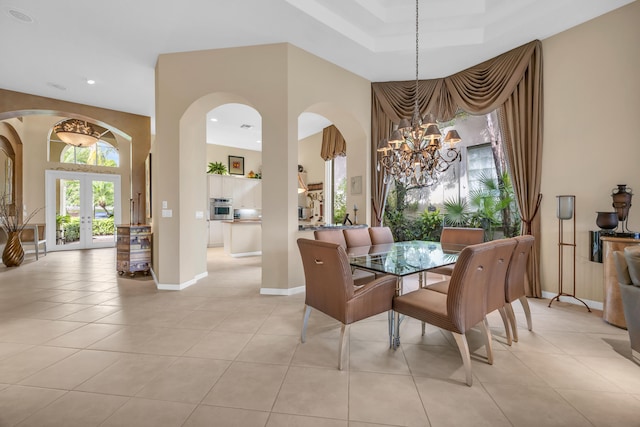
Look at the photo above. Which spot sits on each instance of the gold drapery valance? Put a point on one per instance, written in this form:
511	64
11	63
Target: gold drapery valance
333	143
510	83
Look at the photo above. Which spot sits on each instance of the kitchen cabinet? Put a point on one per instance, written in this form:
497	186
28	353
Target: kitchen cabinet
133	249
245	192
215	186
215	234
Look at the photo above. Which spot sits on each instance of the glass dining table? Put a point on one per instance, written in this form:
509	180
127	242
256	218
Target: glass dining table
402	259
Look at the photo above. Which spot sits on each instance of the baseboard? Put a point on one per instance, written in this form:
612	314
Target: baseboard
597	305
245	254
284	292
180	286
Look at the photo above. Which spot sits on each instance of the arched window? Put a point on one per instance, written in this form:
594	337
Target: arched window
102	153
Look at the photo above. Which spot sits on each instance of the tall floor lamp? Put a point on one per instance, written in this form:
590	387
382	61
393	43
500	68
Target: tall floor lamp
566	211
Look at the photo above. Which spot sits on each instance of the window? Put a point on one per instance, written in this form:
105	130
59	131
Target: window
339	184
480	165
100	154
476	192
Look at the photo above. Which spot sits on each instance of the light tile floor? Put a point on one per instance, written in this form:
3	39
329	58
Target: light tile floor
81	346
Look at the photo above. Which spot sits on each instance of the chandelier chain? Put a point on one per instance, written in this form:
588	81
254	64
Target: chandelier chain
414	154
417	53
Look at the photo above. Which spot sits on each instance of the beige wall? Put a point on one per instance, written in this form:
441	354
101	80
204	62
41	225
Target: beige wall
591	128
280	82
221	153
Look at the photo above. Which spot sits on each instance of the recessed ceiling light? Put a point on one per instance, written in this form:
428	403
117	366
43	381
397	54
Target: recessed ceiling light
91	82
20	15
213	119
259	142
56	85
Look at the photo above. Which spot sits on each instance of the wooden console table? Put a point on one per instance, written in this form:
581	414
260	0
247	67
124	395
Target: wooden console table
612	311
133	247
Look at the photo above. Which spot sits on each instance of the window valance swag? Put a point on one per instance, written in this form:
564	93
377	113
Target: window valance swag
333	143
511	83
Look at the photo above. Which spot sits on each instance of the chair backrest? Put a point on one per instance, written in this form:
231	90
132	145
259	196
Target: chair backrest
462	235
474	270
514	285
357	237
328	278
331	236
380	235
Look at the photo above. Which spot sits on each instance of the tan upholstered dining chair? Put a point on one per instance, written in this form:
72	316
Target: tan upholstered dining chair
380	235
329	289
357	237
360	277
458	236
514	285
466	303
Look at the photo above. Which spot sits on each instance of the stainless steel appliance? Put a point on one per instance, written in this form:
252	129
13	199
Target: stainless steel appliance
221	209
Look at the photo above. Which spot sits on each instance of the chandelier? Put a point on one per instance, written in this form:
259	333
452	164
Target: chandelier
76	132
413	154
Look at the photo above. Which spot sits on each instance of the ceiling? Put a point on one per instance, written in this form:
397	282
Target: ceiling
50	48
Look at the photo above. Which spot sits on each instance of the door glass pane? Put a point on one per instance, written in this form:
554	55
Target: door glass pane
339	189
67	212
102	215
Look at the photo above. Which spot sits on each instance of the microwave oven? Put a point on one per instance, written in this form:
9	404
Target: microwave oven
221	209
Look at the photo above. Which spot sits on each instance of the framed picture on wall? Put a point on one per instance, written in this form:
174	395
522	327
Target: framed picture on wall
356	185
236	165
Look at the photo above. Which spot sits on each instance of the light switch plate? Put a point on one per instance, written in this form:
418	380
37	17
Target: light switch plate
167	213
199	214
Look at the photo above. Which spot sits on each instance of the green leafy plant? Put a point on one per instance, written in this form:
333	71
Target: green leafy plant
217	168
430	225
456	212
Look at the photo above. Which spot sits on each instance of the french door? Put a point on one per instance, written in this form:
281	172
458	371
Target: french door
82	209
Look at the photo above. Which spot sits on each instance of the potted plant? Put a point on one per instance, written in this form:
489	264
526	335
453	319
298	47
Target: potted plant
13	253
217	168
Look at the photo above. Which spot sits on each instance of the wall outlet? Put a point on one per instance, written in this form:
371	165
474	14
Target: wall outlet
165	205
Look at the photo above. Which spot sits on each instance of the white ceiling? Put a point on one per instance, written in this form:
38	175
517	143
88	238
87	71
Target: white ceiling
57	45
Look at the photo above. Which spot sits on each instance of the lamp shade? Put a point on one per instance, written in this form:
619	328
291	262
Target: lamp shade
76	132
565	207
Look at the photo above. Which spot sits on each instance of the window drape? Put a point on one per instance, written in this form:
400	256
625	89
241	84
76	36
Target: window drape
511	83
333	143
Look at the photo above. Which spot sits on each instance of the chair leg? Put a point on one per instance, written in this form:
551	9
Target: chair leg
391	329
512	320
487	333
344	334
396	338
505	322
305	320
527	311
463	346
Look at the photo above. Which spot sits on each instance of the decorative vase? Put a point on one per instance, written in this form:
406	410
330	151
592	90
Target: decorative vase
13	253
621	203
607	220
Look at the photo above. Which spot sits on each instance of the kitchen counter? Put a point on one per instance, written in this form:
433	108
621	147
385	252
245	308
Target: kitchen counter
242	237
313	227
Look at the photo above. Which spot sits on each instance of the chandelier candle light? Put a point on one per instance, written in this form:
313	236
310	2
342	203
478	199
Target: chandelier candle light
412	155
